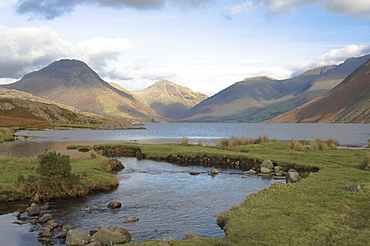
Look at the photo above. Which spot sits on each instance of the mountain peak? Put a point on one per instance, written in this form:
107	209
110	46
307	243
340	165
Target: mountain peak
263	77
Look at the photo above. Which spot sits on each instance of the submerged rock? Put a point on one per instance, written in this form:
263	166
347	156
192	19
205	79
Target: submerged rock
130	219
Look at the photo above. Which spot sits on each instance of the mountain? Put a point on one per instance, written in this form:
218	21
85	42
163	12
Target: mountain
73	83
169	99
25	110
348	102
261	98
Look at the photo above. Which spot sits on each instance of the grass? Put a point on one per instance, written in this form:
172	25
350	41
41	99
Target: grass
93	174
68	126
315	211
70	147
6	134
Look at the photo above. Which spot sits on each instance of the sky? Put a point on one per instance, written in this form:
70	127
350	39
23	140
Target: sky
205	45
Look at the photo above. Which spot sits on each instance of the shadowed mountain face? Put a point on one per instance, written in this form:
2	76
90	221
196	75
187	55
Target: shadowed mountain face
348	102
73	83
169	99
262	98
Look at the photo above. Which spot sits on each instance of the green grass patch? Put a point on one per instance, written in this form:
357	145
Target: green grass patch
20	180
70	147
68	126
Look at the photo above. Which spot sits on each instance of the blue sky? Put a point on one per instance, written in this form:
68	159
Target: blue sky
205	45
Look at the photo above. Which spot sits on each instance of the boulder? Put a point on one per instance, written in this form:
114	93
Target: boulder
61	234
213	171
277	169
265	170
292	176
33	210
190	234
280	173
250	172
355	188
94	244
130	219
77	237
114	204
111	235
45	218
267	163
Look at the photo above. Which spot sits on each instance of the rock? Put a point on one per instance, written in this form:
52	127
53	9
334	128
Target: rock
77	237
280	173
130	219
33	210
277	169
61	234
267	163
94	244
84	149
244	177
190	234
355	188
111	235
292	176
266	176
45	218
114	204
213	171
194	173
115	165
45	233
265	170
250	172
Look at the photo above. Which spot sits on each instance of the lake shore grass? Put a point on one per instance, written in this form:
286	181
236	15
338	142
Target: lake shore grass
317	210
19	179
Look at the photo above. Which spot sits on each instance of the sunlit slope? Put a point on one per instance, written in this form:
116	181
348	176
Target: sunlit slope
169	99
261	98
73	83
348	102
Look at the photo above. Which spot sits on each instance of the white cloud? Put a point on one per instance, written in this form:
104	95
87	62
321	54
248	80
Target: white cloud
26	49
353	8
333	57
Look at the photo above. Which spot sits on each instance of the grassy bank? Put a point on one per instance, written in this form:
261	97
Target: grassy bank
6	134
20	180
318	210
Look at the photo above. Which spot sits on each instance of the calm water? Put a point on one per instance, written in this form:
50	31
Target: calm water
208	134
167	200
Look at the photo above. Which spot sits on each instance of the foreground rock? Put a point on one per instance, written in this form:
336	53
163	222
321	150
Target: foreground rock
33	210
111	235
131	219
213	171
77	237
292	176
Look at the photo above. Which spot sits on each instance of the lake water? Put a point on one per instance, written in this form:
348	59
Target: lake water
207	134
165	197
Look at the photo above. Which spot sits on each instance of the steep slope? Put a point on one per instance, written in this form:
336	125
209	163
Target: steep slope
261	98
72	82
348	102
169	99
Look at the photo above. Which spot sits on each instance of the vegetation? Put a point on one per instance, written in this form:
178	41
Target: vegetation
6	134
365	164
318	210
70	147
233	141
26	178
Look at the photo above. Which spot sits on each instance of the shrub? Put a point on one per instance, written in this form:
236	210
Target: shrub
53	164
332	143
365	164
296	145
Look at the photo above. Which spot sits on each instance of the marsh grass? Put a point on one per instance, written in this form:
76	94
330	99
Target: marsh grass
6	134
184	141
296	145
70	147
324	144
234	141
365	164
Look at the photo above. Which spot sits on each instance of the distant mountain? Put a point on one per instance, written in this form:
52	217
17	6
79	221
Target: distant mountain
169	99
73	83
261	98
348	102
21	109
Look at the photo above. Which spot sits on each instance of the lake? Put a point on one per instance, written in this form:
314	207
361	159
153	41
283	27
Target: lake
167	200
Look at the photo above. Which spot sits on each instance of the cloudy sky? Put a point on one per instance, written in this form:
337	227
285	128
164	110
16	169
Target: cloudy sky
206	45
